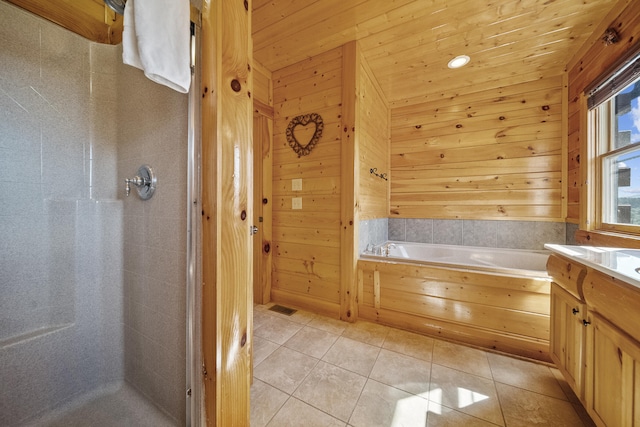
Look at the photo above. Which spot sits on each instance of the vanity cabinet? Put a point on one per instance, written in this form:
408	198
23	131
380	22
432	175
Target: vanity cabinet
612	392
595	340
567	343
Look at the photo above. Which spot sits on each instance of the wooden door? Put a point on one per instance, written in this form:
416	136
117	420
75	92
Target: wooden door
612	375
567	339
262	203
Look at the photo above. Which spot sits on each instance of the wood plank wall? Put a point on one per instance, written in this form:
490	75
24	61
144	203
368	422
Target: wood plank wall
373	125
494	154
306	242
584	69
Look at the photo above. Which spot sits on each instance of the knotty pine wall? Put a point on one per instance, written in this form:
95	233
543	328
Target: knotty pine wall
312	259
306	242
591	62
374	139
491	155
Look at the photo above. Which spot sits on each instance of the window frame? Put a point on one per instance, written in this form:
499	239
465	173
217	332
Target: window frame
599	142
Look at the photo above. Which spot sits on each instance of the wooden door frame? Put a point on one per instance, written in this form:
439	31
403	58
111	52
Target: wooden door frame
227	215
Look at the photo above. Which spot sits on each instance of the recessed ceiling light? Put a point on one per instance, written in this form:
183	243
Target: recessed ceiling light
459	61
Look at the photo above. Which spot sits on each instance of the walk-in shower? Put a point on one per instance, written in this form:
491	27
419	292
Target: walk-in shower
93	284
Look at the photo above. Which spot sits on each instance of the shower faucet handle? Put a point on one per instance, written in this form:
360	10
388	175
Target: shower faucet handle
145	182
136	180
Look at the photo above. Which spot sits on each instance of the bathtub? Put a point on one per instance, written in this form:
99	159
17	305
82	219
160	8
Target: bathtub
505	261
498	299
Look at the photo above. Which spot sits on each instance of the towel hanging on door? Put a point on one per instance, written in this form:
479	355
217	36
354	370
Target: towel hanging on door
156	39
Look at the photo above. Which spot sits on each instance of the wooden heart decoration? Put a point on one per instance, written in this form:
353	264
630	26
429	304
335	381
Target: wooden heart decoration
303	121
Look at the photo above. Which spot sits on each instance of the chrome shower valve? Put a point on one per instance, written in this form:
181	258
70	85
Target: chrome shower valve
145	182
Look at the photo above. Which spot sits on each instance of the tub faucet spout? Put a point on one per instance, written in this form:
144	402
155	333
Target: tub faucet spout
384	250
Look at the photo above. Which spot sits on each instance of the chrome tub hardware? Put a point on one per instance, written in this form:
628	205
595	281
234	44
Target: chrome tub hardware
145	182
384	249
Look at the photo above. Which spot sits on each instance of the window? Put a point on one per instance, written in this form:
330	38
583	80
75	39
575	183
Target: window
615	133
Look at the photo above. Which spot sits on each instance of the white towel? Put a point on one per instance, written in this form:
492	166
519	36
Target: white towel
156	39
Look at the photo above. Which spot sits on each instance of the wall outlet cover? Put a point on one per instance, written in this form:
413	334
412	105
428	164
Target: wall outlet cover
296	184
296	203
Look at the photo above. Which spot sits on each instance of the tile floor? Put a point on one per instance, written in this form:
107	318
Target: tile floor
311	370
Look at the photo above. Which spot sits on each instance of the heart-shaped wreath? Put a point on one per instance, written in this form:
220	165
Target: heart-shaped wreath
304	120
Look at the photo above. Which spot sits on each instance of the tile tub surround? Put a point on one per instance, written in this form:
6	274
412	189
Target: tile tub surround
372	231
332	373
497	234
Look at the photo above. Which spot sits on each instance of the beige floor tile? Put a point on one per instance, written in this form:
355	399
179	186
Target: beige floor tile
462	358
410	344
311	341
526	375
262	348
335	326
259	318
523	408
470	394
403	372
366	332
295	413
265	402
285	369
441	416
331	389
382	405
352	355
276	329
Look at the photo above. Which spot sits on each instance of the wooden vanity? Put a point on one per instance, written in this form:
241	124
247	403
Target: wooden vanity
595	329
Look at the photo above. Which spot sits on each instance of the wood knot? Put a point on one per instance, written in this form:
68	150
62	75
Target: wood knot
418	126
235	85
243	340
546	108
458	126
243	215
502	118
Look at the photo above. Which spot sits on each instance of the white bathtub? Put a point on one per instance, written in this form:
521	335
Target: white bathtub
507	261
493	298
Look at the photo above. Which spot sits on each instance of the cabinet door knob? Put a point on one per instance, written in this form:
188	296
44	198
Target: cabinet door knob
575	311
586	323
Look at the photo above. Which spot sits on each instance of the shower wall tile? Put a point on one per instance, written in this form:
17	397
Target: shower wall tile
65	73
447	232
20	199
419	230
152	129
397	229
60	253
19	127
20	41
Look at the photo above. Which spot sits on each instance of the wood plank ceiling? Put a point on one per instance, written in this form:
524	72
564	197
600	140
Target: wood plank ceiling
408	43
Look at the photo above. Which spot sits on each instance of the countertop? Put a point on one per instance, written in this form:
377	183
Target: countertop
621	263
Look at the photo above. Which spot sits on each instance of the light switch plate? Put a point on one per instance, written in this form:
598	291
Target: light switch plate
296	184
296	203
